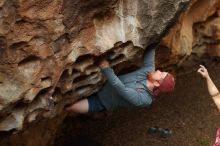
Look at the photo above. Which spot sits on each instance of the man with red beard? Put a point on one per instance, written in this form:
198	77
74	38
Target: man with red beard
135	89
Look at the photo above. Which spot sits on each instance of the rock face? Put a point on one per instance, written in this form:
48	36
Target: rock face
50	48
195	38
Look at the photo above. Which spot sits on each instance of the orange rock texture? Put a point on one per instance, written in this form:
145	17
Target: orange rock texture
51	48
195	37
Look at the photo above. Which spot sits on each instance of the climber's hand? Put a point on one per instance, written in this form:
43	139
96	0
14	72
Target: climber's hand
103	63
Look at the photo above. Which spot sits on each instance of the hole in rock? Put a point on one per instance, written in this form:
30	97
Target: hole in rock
83	58
213	16
46	78
18	45
67	73
43	92
28	60
20	104
80	78
84	87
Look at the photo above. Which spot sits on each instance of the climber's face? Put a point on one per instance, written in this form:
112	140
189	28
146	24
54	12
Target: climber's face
156	77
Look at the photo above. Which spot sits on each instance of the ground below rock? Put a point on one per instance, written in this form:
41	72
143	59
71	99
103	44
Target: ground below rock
189	112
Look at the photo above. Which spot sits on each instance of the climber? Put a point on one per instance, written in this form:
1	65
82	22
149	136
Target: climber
213	91
135	89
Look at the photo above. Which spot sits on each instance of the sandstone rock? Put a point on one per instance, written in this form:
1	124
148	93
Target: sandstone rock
51	48
195	37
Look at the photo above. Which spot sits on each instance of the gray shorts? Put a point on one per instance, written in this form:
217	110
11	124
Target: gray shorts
95	105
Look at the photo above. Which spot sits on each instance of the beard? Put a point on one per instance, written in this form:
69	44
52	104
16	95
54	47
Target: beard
150	76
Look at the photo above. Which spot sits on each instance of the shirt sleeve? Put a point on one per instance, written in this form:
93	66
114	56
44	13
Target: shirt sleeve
149	58
129	94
